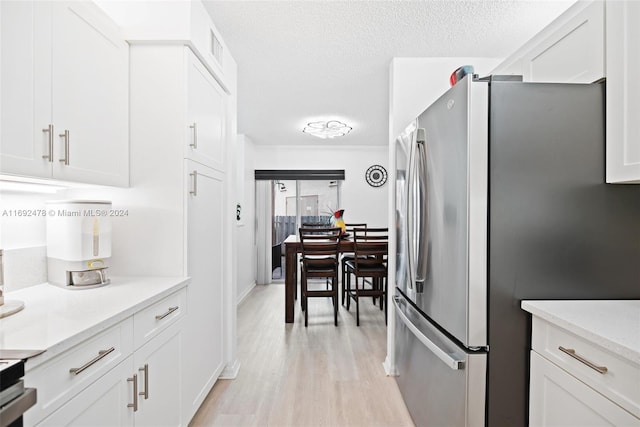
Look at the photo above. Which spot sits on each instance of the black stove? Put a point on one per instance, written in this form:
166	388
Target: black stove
15	399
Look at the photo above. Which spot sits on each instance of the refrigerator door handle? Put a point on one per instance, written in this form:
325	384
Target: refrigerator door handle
441	354
422	211
410	232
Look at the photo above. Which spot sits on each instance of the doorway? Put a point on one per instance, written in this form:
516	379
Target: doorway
297	202
285	199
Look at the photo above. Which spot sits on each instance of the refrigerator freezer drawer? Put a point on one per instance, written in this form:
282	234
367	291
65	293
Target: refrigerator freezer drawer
441	383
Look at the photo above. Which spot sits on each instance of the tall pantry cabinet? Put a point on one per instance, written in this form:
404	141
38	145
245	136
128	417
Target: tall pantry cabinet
180	132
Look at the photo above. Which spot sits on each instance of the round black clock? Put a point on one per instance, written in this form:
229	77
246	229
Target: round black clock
376	176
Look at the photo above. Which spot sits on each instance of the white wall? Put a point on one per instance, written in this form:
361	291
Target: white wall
246	229
417	82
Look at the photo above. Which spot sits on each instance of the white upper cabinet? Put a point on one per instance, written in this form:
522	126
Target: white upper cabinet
590	41
623	92
573	53
206	115
64	93
570	49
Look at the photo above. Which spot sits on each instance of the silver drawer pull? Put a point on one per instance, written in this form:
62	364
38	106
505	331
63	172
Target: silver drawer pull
571	352
101	354
171	310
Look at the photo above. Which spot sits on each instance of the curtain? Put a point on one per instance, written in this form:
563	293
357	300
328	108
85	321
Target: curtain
264	207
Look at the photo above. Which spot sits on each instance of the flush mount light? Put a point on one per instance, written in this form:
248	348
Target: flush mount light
327	129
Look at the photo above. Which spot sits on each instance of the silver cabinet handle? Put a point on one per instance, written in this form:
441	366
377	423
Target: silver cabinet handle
101	355
49	130
452	363
65	136
194	144
168	312
194	190
145	371
571	352
134	405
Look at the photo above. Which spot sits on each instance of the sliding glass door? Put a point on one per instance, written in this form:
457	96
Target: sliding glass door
297	202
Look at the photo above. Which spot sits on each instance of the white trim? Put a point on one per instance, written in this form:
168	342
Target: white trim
230	372
246	293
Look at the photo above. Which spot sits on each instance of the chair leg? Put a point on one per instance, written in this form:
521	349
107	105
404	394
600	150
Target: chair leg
348	291
335	300
358	303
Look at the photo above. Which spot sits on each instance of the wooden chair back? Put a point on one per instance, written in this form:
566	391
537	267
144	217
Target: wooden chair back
319	246
371	248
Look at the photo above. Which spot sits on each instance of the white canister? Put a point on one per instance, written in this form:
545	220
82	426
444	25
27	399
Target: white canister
78	237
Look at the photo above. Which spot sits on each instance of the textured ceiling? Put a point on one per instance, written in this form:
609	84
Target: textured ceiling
303	60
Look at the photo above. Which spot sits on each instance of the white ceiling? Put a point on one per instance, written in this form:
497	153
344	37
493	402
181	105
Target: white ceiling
303	60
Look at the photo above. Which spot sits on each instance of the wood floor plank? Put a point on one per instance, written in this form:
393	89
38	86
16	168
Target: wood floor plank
321	375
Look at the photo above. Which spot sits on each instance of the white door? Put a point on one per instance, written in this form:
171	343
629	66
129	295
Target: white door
204	329
25	86
158	364
206	106
90	96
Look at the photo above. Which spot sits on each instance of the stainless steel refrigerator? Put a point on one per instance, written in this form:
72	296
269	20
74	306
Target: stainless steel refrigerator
500	197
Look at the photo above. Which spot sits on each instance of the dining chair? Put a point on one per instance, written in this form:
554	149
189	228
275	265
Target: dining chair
319	260
370	261
348	256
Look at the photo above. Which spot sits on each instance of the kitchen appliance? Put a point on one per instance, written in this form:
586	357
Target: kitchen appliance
15	399
500	197
78	243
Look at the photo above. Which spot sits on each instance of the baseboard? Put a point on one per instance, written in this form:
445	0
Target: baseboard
230	372
246	293
391	371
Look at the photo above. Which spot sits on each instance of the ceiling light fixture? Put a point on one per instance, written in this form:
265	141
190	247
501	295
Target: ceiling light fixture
327	129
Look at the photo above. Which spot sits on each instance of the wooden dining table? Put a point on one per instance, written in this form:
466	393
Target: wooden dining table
292	248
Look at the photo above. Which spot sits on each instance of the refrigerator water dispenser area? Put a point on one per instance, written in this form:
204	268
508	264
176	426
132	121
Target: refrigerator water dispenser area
78	243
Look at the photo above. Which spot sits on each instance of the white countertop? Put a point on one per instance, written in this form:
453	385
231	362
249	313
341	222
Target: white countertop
613	324
55	319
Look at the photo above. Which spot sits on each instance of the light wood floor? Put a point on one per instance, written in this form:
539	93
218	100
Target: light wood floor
321	375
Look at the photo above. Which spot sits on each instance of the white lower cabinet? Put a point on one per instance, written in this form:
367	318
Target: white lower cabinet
158	365
559	399
109	381
575	382
100	404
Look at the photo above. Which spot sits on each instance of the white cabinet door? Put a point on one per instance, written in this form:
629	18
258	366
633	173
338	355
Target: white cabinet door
64	93
159	365
25	88
206	108
103	403
623	92
573	53
559	399
90	96
203	333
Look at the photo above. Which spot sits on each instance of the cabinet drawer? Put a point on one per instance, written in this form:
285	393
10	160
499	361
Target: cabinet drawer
153	319
64	376
621	381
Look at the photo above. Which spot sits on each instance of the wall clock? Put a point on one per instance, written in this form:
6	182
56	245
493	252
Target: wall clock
376	176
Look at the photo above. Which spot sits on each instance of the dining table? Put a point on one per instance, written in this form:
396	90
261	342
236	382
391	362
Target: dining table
292	248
